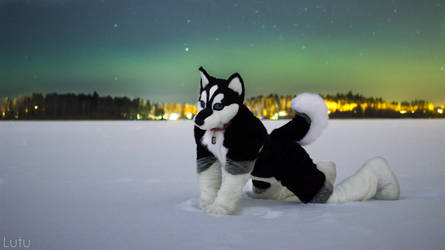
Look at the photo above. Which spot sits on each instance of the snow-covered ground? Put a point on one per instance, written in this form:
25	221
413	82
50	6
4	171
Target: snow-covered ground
132	185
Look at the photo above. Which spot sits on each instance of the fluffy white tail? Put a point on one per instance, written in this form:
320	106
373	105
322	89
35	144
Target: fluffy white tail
315	108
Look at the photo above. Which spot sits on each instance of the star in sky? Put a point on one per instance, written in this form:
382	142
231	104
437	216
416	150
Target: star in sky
266	41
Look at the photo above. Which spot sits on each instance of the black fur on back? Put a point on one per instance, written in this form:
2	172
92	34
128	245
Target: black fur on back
288	162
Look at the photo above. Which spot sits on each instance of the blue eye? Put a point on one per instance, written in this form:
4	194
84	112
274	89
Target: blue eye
218	106
203	104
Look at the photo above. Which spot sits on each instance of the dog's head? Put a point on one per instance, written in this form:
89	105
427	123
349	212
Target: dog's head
219	100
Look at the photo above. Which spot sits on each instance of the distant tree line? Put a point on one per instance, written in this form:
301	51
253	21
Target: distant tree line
94	107
357	106
347	105
76	107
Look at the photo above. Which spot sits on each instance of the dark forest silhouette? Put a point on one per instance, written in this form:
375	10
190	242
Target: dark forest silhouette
94	107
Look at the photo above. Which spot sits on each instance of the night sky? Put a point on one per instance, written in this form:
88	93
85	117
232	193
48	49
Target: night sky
152	49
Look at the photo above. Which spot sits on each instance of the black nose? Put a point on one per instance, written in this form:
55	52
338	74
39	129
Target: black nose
199	121
201	116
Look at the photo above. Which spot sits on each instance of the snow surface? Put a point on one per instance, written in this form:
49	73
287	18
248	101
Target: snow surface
132	185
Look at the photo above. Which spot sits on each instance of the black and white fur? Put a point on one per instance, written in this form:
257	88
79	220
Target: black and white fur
234	146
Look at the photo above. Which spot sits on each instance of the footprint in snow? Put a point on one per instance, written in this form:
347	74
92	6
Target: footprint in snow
262	212
191	205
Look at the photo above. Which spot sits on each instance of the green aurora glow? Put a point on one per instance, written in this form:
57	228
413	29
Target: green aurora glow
392	50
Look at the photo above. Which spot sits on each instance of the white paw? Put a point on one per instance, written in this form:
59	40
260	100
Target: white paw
388	187
264	196
218	210
204	203
274	192
254	195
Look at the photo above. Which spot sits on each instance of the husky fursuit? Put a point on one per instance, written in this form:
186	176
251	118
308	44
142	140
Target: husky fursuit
233	146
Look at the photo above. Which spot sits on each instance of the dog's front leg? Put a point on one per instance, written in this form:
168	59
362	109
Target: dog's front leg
209	178
236	176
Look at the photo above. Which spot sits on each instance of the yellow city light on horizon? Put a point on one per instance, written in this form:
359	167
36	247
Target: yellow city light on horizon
173	116
282	113
342	107
189	115
263	108
430	107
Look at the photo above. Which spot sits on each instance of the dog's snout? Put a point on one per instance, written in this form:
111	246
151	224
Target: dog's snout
199	121
201	116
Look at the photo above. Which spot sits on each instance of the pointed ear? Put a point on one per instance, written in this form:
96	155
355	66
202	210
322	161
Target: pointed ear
204	77
236	84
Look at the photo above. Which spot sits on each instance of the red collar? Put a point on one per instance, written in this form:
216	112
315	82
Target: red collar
221	129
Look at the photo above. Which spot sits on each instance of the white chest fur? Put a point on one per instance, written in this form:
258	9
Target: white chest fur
213	140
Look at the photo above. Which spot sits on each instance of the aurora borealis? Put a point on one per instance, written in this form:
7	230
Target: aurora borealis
152	49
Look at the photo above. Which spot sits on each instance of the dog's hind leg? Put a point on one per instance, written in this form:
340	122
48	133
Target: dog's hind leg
375	180
271	189
268	189
329	170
